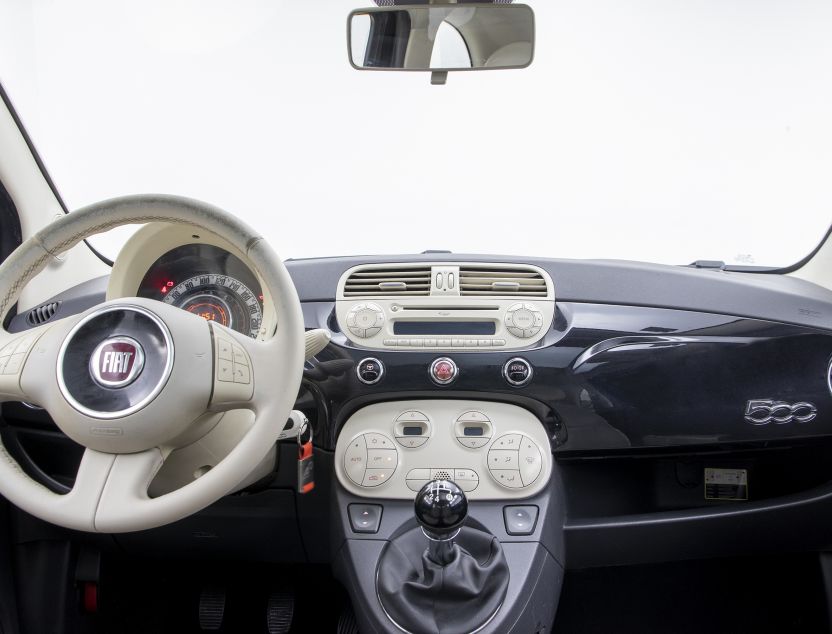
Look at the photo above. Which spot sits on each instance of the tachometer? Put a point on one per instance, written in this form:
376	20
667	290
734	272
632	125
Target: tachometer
220	298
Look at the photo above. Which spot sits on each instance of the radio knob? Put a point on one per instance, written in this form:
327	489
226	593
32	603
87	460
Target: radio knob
365	320
523	320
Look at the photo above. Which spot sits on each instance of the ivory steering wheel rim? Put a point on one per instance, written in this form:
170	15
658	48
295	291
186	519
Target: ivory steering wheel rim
205	369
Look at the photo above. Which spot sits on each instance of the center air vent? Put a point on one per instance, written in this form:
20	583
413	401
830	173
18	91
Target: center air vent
494	280
388	282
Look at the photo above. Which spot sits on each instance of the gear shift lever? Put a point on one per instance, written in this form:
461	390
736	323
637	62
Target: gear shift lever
455	585
441	508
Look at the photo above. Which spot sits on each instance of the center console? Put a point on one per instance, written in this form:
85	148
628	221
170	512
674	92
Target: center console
457	490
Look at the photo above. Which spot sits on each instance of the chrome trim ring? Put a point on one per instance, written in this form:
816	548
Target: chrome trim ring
510	381
150	396
432	371
380	370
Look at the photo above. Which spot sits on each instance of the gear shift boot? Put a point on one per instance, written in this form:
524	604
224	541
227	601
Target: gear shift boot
443	577
423	597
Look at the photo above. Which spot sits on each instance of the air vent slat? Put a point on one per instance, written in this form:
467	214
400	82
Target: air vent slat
42	314
508	282
388	282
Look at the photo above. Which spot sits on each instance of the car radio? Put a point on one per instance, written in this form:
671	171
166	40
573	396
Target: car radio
445	306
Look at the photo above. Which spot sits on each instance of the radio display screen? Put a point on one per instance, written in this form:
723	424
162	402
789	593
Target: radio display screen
444	328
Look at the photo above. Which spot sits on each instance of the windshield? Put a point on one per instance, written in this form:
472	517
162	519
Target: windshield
656	130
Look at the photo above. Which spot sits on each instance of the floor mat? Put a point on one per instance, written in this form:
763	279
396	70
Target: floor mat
143	598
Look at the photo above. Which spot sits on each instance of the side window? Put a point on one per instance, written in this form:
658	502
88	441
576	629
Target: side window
449	49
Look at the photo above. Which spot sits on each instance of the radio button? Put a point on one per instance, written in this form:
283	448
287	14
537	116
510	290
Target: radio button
443	343
416	343
470	343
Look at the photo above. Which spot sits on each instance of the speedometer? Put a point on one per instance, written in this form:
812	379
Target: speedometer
220	298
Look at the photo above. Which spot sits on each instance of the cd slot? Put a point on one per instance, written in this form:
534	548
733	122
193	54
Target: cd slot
455	308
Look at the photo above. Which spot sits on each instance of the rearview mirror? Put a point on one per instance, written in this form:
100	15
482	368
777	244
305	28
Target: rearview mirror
441	38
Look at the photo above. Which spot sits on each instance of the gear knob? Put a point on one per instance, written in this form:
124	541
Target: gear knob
441	508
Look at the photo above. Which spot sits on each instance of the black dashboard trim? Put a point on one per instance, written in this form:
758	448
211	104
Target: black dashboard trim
764	296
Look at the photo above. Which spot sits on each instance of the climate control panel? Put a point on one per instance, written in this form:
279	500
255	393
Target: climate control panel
491	450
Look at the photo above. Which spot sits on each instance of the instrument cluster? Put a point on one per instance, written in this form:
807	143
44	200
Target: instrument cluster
210	282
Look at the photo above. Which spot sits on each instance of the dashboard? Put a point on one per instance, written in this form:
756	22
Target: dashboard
630	383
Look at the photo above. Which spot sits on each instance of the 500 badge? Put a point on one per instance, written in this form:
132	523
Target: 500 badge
763	412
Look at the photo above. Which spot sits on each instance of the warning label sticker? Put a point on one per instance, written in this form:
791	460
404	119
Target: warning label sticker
726	484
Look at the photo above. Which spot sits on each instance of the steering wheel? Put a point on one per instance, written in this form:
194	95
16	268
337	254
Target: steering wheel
133	379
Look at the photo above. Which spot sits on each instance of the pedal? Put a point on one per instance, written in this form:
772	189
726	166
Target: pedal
347	623
211	609
279	613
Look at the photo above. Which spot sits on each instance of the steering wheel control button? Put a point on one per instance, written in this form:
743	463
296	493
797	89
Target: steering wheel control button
365	518
520	520
225	370
369	370
355	460
233	370
518	372
365	320
224	349
115	361
443	371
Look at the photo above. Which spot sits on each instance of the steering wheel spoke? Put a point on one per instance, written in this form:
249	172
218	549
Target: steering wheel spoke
16	351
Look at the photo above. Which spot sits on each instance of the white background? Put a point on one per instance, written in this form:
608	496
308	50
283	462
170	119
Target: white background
661	130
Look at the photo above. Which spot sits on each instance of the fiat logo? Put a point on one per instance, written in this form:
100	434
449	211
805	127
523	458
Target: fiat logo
117	362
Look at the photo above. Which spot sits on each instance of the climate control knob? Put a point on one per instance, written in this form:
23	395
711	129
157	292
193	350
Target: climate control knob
365	320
